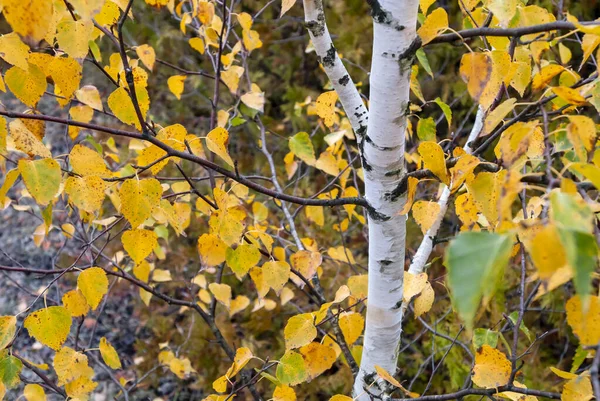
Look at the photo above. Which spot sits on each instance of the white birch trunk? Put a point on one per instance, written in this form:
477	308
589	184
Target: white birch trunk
381	143
383	164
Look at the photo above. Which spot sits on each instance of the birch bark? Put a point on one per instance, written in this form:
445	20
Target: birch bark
394	44
381	144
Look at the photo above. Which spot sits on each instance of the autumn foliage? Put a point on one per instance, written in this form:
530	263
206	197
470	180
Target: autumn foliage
195	174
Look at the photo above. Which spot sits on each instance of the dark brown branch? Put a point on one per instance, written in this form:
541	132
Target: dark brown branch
507	32
198	160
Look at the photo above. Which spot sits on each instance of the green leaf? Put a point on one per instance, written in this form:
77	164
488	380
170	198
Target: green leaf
302	147
476	262
10	368
513	318
574	221
422	57
485	337
291	369
445	109
580	355
426	129
42	178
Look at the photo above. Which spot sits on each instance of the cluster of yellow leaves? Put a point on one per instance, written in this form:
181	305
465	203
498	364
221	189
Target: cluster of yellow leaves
181	367
417	287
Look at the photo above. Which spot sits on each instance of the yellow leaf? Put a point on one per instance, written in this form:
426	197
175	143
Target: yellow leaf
491	369
519	142
232	76
70	365
109	13
565	53
157	3
255	99
34	392
410	194
589	43
73	37
299	330
462	170
497	115
147	55
212	250
90	96
13	51
93	284
433	159
352	325
176	83
318	358
504	10
306	263
109	354
285	7
315	214
242	259
31	19
340	397
425	213
284	393
87	193
476	71
413	285
569	95
197	44
173	136
238	304
161	276
222	293
87	9
80	387
66	74
584	322
8	327
27	85
578	389
325	107
50	326
88	162
75	303
546	251
251	40
424	5
216	142
520	75
542	78
435	23
139	243
42	178
562	374
424	301
487	191
501	64
139	198
581	132
121	105
276	274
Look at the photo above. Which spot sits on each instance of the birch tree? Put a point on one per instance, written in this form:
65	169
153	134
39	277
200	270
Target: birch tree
222	220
